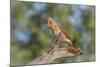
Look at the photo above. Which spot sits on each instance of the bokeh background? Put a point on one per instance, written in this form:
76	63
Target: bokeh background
30	37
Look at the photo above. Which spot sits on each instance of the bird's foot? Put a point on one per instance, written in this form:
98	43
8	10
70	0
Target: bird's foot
75	51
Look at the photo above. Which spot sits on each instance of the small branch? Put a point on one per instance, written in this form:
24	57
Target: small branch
58	53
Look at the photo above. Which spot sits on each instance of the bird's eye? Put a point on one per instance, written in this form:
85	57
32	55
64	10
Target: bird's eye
50	22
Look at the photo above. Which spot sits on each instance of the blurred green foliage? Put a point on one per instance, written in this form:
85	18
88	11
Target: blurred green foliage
30	36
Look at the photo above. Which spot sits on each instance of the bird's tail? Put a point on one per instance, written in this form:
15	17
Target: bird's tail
74	49
77	49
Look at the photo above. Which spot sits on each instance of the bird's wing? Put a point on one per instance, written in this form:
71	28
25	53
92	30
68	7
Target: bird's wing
66	34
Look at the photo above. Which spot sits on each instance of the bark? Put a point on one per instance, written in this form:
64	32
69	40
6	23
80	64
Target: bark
47	58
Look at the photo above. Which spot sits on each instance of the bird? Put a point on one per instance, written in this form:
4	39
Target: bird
60	32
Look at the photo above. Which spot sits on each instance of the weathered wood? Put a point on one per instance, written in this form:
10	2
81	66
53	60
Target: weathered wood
48	58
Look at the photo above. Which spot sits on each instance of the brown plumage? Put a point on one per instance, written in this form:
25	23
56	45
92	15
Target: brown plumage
60	32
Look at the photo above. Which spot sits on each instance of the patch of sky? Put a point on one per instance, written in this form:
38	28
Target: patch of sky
76	17
22	35
36	9
39	6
